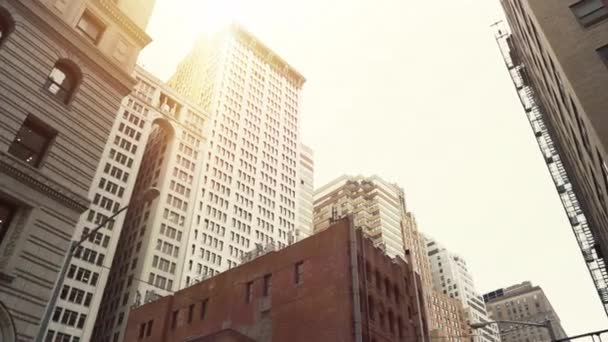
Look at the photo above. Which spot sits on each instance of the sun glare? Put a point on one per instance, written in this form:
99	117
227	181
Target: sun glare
216	14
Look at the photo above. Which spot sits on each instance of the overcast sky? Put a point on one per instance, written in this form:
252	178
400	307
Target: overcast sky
417	93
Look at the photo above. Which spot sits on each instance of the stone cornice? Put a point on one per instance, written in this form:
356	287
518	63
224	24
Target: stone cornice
52	23
124	21
34	179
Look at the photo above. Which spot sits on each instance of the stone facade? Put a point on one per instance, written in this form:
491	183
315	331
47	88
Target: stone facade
43	195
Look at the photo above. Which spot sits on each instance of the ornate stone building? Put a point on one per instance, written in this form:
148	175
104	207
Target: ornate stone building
65	65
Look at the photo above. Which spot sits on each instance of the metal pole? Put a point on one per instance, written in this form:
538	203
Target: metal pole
44	323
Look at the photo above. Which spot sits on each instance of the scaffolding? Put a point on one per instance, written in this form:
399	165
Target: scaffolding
537	117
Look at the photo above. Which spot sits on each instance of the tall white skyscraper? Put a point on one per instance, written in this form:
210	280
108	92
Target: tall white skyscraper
156	142
249	184
227	187
452	277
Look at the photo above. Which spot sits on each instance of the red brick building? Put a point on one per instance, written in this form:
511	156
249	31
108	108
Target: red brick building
334	286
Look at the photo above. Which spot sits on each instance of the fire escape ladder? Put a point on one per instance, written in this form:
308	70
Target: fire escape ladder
536	116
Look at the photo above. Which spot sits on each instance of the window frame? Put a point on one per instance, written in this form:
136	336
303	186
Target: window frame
8	23
40	128
602	52
95	20
588	24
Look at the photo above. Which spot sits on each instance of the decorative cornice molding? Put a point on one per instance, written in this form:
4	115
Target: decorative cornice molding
124	21
52	24
39	182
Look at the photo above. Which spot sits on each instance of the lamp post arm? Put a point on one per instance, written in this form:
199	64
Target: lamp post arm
544	325
86	236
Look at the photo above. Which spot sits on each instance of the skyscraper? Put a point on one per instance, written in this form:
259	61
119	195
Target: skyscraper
113	184
452	277
251	174
526	303
378	207
226	189
64	68
306	193
556	53
155	143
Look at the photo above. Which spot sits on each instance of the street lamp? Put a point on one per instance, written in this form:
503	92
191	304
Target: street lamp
148	196
546	324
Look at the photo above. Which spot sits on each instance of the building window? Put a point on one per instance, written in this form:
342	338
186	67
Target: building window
32	141
249	292
603	52
204	308
64	80
7	212
299	273
174	319
589	12
91	27
7	25
267	285
149	328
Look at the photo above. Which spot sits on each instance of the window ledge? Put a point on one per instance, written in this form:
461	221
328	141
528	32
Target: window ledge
33	178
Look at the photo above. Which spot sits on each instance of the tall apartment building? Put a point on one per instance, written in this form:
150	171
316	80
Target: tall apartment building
295	295
306	193
156	142
449	321
452	277
527	303
64	68
378	207
557	55
82	290
251	172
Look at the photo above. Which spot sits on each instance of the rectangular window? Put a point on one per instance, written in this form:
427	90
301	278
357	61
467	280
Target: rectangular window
7	212
589	12
299	273
603	52
249	292
190	312
91	27
267	285
204	308
174	319
32	141
149	328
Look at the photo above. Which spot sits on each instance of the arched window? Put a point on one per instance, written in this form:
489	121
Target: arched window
63	80
7	25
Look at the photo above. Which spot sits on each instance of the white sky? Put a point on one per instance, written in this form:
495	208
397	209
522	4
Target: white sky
416	92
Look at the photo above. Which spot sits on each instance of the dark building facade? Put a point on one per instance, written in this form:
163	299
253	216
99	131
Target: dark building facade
332	286
557	56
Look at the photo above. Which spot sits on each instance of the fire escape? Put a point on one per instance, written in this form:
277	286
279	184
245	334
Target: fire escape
536	116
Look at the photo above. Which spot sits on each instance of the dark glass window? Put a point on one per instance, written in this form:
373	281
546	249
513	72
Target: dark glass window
249	292
589	12
267	285
7	212
6	25
299	273
603	52
32	141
